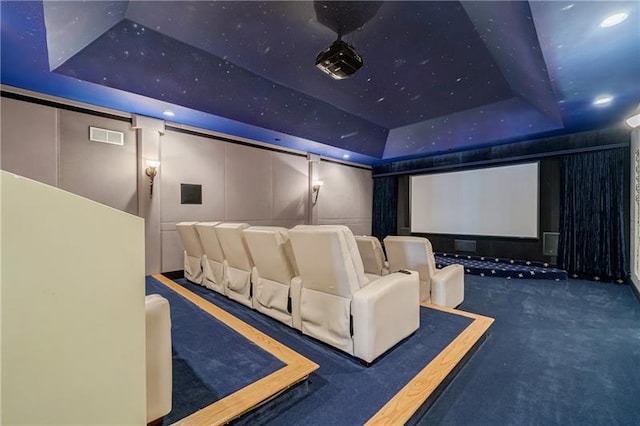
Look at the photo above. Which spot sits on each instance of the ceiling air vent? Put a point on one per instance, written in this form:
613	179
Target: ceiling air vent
113	137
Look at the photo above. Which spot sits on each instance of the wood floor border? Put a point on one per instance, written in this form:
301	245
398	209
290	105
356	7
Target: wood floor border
297	367
408	401
398	410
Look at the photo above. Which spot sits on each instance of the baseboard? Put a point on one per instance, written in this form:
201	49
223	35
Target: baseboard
174	275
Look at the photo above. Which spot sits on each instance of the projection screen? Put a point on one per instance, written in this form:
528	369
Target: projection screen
497	201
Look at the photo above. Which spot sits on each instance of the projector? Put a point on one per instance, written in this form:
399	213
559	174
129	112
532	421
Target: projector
340	60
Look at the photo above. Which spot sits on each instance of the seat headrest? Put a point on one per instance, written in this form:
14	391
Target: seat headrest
413	253
190	238
328	259
271	251
209	240
234	245
409	240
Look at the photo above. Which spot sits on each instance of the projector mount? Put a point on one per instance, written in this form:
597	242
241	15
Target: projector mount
341	60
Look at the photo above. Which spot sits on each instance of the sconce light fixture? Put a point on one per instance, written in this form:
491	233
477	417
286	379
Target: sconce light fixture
151	171
317	184
633	121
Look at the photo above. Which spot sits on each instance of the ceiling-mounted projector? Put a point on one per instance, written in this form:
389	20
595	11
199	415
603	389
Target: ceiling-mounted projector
340	60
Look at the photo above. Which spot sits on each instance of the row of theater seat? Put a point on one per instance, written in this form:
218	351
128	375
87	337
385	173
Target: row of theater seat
444	287
311	278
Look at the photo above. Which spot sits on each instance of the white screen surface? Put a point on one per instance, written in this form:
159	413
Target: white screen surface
497	201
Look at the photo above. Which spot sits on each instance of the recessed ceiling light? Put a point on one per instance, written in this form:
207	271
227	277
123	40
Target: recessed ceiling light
567	7
603	100
346	156
168	113
614	19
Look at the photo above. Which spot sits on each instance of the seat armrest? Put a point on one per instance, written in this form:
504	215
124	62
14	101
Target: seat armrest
158	356
448	273
447	286
254	287
385	312
295	291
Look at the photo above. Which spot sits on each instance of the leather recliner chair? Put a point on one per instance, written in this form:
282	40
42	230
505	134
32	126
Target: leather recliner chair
275	267
240	270
213	264
444	287
338	304
192	251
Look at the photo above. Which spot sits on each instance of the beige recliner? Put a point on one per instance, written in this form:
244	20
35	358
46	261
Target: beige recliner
444	287
240	270
192	251
372	255
275	267
338	304
213	263
159	361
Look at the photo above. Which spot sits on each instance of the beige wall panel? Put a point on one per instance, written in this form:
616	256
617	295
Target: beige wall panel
73	336
286	223
357	226
248	183
102	172
29	140
346	196
195	160
172	250
290	183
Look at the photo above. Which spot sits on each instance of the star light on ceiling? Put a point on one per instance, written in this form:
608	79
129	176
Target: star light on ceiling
603	100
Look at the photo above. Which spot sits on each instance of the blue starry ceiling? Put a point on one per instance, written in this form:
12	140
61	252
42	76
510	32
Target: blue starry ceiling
437	76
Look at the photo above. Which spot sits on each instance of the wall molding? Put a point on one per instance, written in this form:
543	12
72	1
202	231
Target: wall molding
76	107
214	136
66	104
253	144
530	150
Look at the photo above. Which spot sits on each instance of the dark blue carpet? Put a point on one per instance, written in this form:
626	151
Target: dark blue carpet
342	391
500	267
210	360
560	353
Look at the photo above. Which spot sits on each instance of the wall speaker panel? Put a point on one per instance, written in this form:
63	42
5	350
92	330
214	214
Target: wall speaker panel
468	246
550	243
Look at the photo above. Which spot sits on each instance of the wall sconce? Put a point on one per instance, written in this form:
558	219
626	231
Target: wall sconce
151	171
317	184
633	121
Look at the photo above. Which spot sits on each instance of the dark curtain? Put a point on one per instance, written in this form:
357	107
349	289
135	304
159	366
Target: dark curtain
592	239
385	206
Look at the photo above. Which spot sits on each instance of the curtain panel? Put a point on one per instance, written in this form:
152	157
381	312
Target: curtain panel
385	207
592	240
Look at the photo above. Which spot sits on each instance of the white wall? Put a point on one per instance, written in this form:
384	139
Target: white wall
635	208
72	309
